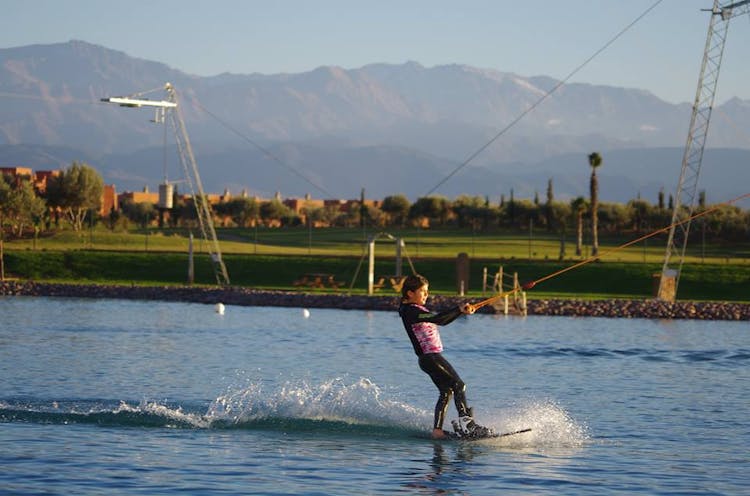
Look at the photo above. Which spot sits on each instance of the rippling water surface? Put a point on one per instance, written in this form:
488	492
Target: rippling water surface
108	396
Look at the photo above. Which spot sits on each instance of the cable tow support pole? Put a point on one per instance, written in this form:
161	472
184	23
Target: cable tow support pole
531	284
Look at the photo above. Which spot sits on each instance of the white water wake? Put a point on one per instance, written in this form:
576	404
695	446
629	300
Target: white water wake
361	402
550	424
334	406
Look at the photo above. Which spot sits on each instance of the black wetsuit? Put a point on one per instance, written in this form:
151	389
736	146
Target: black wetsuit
421	327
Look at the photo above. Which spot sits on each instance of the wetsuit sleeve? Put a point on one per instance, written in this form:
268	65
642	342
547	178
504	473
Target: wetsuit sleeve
413	315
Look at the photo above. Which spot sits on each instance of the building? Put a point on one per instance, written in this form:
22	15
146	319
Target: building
109	200
40	180
144	196
17	173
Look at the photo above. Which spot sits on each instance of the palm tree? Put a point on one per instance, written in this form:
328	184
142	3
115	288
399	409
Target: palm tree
578	208
595	160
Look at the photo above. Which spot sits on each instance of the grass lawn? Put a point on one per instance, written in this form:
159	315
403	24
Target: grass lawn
275	258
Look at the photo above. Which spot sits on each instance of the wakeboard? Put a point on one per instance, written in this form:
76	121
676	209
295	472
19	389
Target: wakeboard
461	434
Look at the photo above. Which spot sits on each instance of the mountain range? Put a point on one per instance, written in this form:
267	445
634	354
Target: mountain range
330	132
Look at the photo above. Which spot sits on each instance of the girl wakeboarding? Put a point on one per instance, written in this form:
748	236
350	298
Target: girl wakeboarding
421	326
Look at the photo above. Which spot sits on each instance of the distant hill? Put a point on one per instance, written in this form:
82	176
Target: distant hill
388	128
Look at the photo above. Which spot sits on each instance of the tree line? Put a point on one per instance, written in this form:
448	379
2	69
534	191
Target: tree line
73	198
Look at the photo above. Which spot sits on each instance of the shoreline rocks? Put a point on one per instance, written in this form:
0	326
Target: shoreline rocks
616	308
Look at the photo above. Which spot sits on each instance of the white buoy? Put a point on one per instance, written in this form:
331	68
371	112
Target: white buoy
305	313
219	307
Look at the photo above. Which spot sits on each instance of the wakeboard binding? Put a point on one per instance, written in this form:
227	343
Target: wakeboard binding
467	428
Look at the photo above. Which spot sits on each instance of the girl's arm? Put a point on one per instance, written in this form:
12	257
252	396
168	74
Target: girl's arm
440	318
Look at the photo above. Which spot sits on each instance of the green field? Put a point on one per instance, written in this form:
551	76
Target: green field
275	258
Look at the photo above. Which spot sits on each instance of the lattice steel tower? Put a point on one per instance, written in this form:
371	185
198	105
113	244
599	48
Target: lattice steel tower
684	202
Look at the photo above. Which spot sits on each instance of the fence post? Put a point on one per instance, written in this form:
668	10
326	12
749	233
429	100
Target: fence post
371	266
462	273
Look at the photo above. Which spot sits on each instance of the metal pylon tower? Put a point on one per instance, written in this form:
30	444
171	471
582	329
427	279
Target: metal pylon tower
684	202
171	108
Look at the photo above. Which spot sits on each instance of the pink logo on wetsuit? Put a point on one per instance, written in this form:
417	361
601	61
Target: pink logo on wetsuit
428	335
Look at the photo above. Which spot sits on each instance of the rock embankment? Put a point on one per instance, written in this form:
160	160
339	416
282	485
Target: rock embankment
648	309
642	309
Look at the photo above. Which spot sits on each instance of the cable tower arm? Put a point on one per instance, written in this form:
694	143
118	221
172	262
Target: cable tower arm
728	11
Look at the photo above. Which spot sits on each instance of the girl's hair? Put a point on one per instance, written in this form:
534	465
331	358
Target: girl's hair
412	283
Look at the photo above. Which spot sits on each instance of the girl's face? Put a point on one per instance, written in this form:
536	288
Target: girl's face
419	295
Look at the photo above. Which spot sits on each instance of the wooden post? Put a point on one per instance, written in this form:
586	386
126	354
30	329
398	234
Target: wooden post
191	266
462	273
371	266
399	246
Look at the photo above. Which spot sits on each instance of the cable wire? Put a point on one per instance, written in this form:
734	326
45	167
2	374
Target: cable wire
544	97
55	99
266	151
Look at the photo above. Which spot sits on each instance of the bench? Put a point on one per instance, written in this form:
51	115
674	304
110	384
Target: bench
396	282
317	280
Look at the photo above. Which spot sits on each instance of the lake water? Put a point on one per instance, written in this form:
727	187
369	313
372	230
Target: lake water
109	396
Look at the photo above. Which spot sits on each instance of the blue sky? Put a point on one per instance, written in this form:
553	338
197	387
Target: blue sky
661	53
